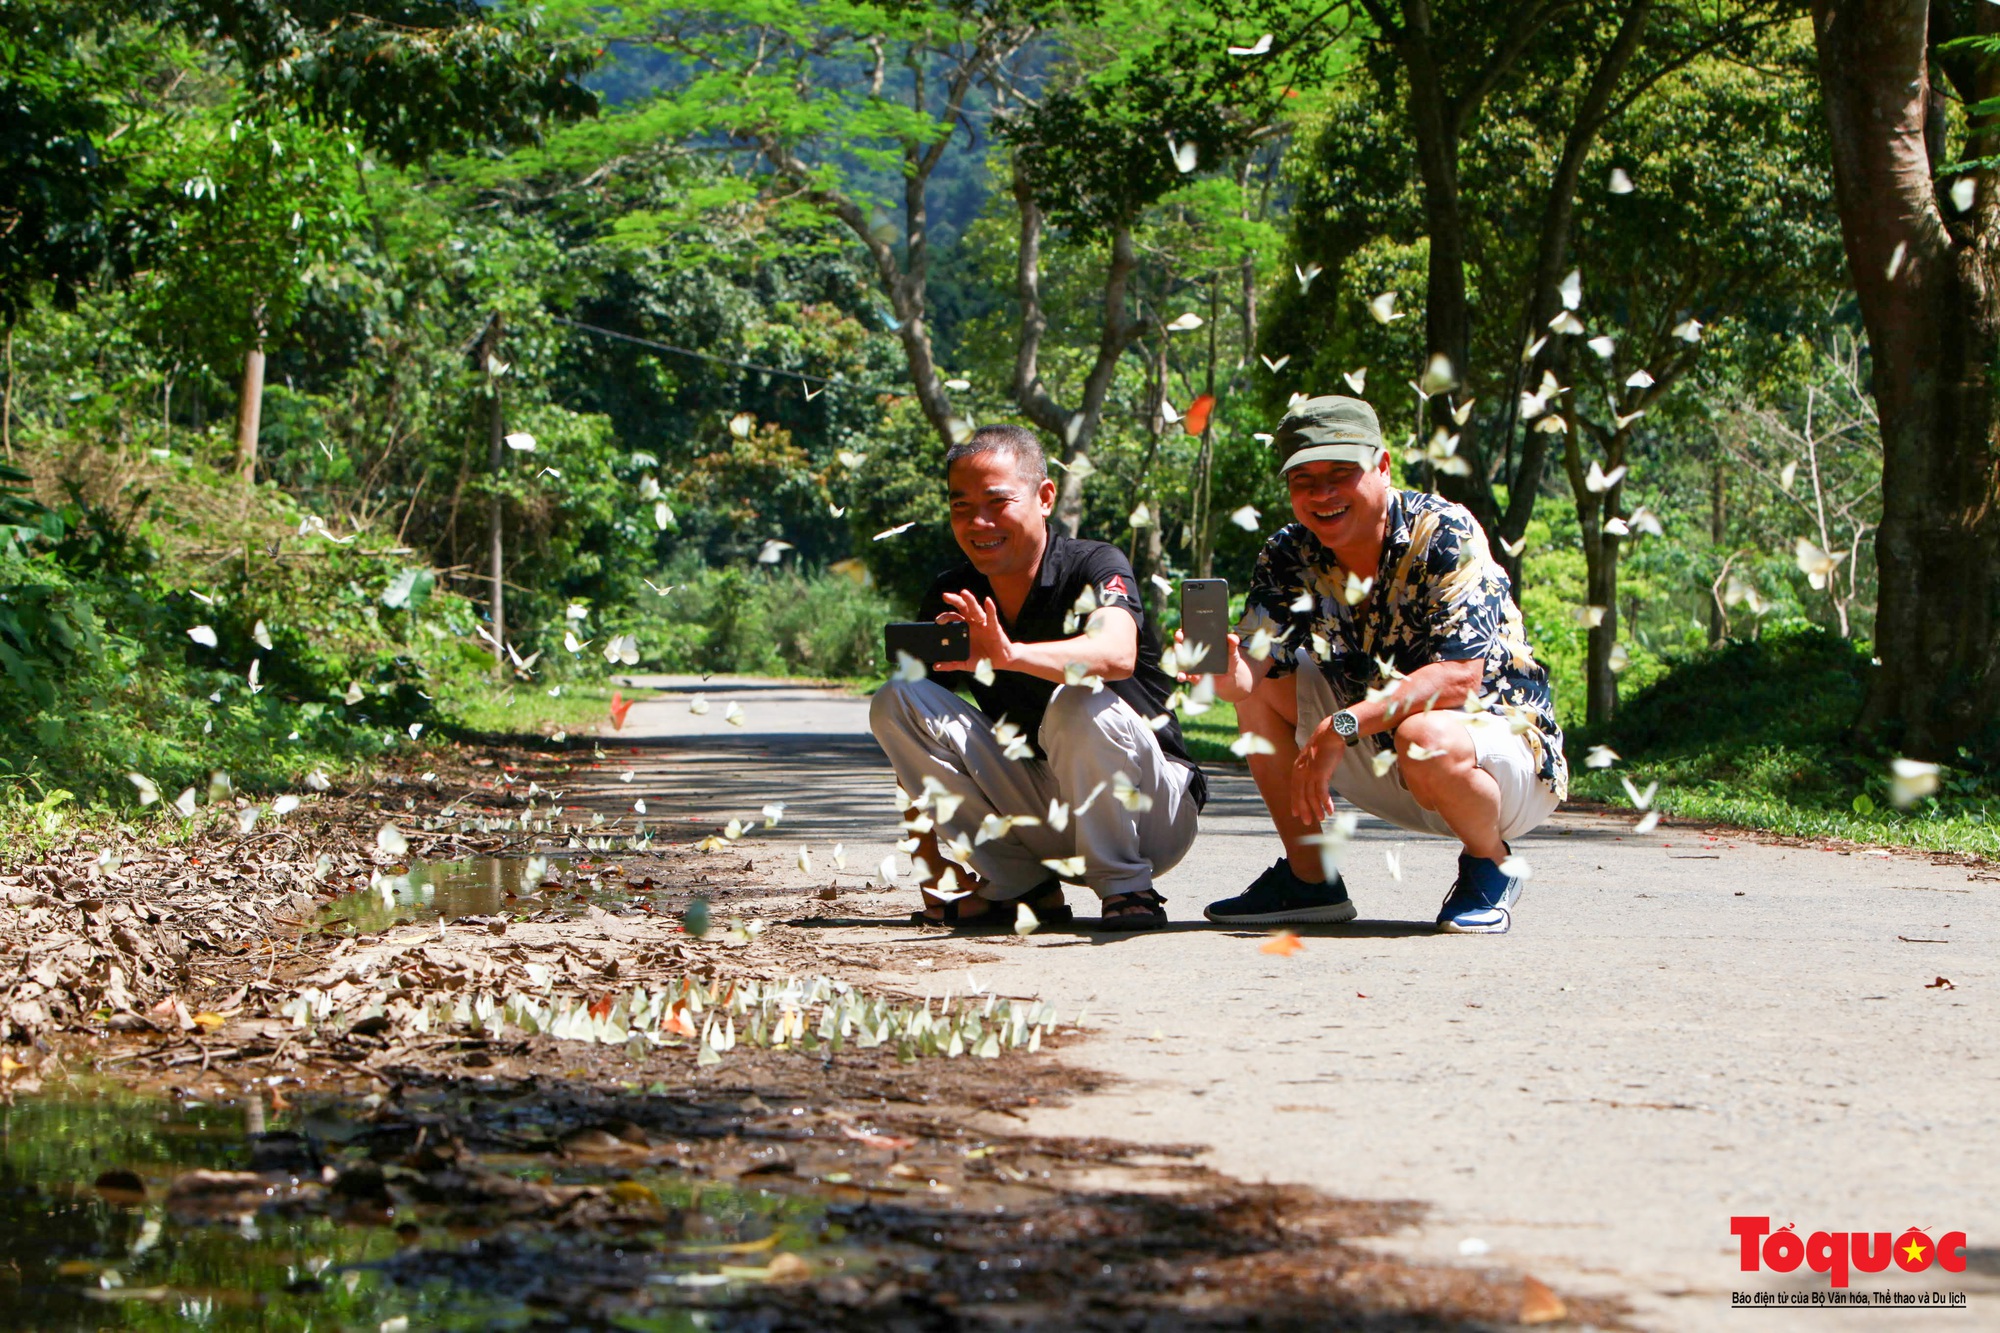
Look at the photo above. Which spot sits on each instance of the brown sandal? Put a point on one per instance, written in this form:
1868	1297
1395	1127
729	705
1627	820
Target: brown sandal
952	914
1141	909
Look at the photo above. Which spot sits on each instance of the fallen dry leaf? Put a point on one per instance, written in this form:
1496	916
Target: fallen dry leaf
1539	1305
788	1267
887	1141
1283	943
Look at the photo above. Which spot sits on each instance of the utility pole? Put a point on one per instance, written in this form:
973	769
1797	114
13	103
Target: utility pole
494	511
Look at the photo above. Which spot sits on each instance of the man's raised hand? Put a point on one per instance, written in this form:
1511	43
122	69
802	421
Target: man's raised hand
988	637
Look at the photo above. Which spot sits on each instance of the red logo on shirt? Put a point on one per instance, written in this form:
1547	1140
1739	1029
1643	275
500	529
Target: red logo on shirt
1115	586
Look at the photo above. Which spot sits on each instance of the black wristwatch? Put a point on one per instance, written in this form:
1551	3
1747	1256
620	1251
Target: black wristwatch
1346	726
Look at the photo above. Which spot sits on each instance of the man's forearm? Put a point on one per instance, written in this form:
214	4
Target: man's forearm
1051	660
1431	686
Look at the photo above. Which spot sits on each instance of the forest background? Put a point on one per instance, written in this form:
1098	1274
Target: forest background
325	321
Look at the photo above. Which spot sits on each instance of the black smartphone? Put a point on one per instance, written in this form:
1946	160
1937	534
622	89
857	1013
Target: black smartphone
1205	623
927	641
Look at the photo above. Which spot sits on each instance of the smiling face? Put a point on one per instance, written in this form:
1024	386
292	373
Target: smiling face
999	518
1345	505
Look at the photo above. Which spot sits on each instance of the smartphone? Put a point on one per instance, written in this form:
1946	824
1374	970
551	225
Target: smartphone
928	641
1205	621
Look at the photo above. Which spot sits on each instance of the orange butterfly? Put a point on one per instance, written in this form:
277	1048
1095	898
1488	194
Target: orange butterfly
1196	419
620	706
1283	943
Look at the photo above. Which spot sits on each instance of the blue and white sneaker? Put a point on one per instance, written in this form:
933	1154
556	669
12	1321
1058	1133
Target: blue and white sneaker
1482	901
1278	895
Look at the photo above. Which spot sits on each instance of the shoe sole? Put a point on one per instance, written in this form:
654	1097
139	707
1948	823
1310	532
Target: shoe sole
1453	928
1332	914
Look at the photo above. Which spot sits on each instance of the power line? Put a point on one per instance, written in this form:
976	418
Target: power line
726	361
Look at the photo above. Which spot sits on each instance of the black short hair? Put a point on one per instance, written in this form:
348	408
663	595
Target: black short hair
1030	462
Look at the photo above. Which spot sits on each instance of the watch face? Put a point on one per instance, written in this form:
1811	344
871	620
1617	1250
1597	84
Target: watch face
1346	725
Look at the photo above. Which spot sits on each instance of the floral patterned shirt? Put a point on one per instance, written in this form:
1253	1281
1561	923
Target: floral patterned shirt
1439	596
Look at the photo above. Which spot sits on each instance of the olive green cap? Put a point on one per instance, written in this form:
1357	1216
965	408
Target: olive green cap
1331	428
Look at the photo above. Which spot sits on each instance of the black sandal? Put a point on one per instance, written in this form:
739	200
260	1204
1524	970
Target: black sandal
1047	904
1141	909
953	915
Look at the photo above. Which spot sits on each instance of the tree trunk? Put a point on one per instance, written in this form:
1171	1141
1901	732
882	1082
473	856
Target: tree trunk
1600	681
495	513
1717	530
7	404
1078	427
1930	300
250	413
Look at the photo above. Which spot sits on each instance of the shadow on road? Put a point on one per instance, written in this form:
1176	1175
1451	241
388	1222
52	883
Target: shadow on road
1085	932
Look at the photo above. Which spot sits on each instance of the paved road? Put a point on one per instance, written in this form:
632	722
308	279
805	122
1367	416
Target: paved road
1680	1028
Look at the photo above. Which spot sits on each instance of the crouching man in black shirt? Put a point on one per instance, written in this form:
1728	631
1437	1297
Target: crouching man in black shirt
1070	768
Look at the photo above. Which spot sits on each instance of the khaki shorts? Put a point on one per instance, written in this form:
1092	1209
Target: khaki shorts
1525	800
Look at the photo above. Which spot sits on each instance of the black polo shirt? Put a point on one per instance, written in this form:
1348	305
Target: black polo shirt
1069	565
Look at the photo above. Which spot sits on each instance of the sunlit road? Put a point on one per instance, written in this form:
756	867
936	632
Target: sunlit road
1680	1028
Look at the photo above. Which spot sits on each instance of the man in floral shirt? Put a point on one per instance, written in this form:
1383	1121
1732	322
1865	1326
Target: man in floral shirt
1382	656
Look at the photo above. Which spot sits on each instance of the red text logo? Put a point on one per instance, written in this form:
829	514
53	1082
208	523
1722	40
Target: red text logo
1836	1252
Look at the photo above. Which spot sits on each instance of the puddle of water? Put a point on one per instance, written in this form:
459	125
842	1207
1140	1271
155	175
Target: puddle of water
483	886
97	1229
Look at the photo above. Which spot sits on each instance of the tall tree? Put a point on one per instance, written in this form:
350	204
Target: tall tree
850	114
1145	105
1576	68
1920	233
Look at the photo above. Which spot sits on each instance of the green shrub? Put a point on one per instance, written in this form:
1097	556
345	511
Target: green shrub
756	621
1758	733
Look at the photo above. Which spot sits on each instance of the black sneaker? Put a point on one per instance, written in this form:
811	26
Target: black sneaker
1279	895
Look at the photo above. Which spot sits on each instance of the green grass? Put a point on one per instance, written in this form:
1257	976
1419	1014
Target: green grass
1755	734
480	710
1210	735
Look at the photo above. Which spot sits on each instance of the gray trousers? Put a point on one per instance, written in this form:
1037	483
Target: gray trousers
929	732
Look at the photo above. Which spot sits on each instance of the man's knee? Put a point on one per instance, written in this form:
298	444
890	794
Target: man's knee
1271	710
897	707
1435	747
1075	713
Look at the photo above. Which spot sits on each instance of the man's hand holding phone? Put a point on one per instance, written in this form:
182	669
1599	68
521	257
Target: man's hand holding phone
988	637
1234	682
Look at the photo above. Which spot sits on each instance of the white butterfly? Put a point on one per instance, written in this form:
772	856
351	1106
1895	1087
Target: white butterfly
1571	290
1258	48
1383	308
1274	366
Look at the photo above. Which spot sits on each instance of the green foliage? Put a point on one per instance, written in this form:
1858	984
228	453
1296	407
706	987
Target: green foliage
61	73
753	620
1757	733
